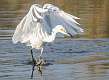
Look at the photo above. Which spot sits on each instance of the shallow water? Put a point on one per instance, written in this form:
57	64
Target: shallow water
71	59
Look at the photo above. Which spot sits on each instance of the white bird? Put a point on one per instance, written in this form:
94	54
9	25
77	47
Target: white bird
41	24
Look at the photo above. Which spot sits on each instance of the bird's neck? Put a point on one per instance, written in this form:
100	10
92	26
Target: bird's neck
51	37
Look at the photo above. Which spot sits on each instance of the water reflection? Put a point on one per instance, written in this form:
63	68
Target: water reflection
39	69
98	69
91	62
94	66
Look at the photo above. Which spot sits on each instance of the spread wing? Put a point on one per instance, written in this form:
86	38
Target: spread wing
59	17
30	30
38	22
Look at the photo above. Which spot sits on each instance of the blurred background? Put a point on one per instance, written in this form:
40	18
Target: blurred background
94	14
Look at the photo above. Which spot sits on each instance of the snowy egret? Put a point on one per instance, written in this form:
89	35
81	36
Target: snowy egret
41	24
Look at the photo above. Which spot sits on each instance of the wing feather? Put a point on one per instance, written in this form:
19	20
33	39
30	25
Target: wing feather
59	17
38	22
30	30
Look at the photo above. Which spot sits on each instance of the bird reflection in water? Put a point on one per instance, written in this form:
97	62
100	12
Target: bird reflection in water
40	63
39	69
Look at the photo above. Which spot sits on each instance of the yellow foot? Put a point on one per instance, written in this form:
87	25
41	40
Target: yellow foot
40	62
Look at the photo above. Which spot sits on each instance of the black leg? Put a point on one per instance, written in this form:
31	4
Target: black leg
34	61
39	63
32	71
33	64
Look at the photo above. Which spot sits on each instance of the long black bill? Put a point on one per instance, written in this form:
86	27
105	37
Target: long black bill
70	35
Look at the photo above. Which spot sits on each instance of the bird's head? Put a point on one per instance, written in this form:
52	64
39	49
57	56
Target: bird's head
60	29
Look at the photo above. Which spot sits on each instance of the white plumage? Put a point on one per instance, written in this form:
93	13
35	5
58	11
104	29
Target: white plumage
42	23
